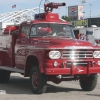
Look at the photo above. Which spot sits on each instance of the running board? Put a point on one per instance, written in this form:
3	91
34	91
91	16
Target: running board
12	69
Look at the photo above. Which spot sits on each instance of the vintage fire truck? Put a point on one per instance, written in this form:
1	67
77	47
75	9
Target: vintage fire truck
45	49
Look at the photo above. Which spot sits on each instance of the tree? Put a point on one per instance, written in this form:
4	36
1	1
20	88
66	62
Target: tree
66	18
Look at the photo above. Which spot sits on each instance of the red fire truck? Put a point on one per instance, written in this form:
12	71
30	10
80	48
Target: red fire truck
45	49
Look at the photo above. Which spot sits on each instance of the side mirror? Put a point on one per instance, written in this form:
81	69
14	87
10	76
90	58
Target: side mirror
14	32
22	35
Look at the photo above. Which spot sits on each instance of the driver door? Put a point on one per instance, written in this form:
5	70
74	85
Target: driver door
20	47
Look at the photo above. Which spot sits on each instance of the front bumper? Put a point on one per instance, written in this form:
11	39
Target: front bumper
69	71
74	70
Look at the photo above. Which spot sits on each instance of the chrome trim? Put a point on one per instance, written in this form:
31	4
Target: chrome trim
63	48
77	63
78	47
80	63
14	69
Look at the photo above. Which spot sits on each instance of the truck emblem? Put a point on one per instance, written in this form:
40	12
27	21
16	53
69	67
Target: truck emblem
79	70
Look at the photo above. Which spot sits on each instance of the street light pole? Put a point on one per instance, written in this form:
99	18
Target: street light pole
90	10
83	2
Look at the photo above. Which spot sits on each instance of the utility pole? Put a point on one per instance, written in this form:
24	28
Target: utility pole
66	11
90	13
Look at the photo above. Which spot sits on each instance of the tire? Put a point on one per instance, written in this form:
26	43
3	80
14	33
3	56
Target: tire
4	76
38	81
88	83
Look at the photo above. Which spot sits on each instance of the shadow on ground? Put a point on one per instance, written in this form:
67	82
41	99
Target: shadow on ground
21	85
55	89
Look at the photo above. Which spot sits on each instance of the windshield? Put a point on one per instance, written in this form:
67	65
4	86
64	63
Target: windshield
41	30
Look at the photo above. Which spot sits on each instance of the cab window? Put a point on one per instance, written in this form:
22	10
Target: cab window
51	29
25	31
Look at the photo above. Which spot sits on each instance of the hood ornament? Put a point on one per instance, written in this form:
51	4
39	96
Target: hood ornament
79	70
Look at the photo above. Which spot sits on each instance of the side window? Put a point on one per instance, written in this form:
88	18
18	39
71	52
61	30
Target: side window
25	31
67	30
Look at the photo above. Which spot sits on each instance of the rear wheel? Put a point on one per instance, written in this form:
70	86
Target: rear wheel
38	81
4	76
89	83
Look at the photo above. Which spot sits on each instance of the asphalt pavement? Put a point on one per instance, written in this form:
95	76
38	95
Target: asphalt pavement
18	88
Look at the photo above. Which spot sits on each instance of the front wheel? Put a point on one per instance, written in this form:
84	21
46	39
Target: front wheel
38	81
89	83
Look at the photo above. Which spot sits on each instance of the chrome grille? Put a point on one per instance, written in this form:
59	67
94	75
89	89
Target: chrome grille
75	54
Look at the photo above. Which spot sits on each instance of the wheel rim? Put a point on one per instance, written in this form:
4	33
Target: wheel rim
35	80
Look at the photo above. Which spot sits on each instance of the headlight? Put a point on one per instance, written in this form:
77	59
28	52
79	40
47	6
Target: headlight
54	54
96	54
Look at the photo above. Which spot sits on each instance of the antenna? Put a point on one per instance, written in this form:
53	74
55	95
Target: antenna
39	5
41	2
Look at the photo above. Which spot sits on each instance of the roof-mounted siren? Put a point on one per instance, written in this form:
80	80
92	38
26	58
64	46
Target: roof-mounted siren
50	6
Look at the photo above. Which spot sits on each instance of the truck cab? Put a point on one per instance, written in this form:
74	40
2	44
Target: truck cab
45	49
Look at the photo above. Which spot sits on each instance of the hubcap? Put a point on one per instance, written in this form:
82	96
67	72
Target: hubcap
35	80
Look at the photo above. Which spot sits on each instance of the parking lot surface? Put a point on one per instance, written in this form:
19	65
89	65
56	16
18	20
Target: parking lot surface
18	88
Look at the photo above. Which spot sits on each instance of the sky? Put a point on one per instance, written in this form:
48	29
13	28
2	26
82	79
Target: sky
6	6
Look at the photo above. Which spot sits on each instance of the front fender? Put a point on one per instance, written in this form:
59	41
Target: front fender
39	58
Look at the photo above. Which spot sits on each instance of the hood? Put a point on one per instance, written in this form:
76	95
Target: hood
60	42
